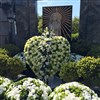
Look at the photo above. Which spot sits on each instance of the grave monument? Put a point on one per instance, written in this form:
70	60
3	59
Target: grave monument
18	21
59	20
90	20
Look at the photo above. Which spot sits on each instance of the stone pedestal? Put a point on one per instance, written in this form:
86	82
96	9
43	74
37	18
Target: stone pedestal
90	20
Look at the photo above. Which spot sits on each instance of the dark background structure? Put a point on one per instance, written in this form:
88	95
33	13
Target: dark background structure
90	20
18	21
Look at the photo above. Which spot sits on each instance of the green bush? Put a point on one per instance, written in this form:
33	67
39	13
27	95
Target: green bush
68	72
94	51
3	51
21	57
75	25
12	49
40	24
74	36
88	68
10	67
81	47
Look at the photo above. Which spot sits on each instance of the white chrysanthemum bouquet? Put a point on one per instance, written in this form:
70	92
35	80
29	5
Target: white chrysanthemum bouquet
46	54
28	89
73	91
4	83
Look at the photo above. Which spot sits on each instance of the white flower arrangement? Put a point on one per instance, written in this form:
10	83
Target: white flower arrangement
4	83
21	57
28	89
73	91
45	55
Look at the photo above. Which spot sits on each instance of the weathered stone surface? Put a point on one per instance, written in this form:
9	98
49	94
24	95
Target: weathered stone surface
26	19
24	13
54	82
90	20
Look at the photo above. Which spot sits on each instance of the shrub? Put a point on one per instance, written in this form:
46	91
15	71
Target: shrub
28	89
10	67
21	57
12	49
68	72
81	47
4	84
73	91
88	68
94	51
40	24
3	51
75	25
74	36
45	54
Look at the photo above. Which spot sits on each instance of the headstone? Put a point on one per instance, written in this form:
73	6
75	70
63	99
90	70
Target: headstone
26	20
58	19
90	20
4	25
18	21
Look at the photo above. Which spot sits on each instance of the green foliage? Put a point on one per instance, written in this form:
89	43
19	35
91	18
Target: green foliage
88	68
12	49
3	51
75	25
81	47
21	57
74	36
40	24
94	51
10	67
76	90
68	72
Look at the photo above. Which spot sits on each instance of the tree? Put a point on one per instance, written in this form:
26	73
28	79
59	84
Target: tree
75	25
40	24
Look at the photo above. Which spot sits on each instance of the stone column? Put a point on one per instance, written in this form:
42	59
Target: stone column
90	20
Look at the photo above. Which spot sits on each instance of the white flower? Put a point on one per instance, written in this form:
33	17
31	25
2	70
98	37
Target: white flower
4	84
43	51
32	88
73	91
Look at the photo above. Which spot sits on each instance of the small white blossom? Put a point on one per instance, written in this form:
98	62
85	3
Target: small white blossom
44	53
70	92
30	87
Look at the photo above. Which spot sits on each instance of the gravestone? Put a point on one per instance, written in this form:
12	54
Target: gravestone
90	20
59	20
26	20
18	21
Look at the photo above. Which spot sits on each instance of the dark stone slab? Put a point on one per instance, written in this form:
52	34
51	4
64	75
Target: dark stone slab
54	82
97	90
90	20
